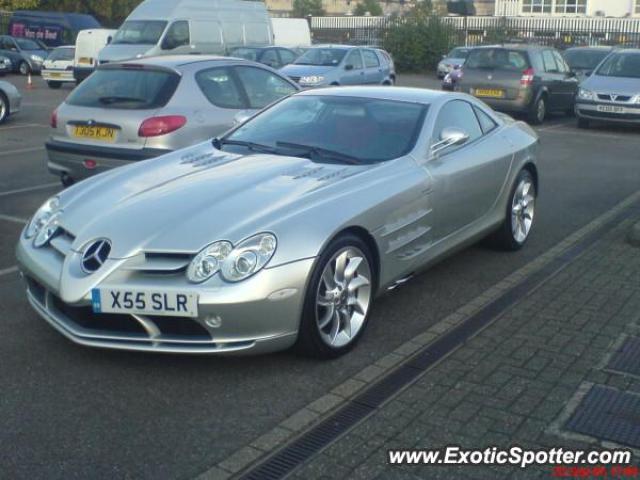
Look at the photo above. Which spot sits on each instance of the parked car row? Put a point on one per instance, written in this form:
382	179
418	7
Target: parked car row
595	83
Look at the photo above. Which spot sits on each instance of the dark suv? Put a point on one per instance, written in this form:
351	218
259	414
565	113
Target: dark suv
520	78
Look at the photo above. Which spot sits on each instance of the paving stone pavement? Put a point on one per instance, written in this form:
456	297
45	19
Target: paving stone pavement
512	383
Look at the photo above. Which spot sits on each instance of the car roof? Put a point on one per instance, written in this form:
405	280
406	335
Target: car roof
401	94
177	61
342	47
594	47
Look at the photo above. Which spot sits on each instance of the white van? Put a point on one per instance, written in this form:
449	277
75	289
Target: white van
291	32
174	27
88	45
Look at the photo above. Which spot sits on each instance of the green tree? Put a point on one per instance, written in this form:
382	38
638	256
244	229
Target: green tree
303	8
418	40
11	5
371	6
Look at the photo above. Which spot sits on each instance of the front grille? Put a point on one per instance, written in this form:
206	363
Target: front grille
609	97
153	263
180	327
62	241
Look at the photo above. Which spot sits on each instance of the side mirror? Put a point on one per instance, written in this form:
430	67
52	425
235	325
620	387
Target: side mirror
348	67
242	116
450	136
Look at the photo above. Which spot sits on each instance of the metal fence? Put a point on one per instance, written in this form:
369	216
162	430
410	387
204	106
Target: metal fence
560	32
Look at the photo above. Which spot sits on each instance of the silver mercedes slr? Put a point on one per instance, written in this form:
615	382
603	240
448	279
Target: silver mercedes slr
283	231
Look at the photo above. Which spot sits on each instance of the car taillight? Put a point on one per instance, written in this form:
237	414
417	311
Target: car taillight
527	77
152	127
54	119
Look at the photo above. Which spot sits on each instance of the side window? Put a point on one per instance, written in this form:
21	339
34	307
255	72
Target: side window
263	87
270	57
562	65
457	114
370	59
549	63
354	59
218	85
287	56
177	35
486	122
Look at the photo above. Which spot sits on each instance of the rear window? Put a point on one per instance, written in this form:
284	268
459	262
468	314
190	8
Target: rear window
126	89
499	59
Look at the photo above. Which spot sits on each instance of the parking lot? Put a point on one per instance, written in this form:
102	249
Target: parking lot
72	412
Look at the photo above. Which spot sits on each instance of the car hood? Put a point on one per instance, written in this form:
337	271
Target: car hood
117	53
306	70
182	201
619	85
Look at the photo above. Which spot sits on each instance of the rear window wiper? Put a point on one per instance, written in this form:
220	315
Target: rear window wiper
257	147
116	99
322	152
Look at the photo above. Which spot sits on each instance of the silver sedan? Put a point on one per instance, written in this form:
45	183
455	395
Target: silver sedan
131	111
282	232
10	100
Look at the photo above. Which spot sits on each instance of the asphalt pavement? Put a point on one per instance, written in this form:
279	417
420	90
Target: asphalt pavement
71	412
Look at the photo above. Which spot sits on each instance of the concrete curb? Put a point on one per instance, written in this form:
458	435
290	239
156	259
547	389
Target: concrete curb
633	236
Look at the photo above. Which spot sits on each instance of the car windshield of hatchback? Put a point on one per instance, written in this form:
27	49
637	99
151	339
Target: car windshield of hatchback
585	59
322	56
26	44
497	58
139	32
621	65
334	129
458	53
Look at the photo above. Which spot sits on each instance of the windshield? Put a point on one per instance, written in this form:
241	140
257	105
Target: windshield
125	88
26	44
585	59
246	53
497	58
322	56
458	53
621	65
62	54
139	32
361	130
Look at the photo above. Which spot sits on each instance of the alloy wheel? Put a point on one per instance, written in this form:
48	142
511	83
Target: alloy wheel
343	297
523	210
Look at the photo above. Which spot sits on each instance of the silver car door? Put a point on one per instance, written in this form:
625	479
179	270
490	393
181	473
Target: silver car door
467	178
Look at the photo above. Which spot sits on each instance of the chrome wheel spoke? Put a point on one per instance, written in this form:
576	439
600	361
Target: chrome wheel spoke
357	283
325	302
326	318
346	321
328	278
357	306
335	326
341	265
352	268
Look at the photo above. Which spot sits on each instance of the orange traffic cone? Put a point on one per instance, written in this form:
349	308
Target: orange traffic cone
29	82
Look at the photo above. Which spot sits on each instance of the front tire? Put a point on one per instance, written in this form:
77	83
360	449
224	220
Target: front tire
338	299
516	228
538	111
24	68
4	107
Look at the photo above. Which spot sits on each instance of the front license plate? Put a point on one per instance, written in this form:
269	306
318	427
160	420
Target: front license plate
103	134
144	302
489	92
611	109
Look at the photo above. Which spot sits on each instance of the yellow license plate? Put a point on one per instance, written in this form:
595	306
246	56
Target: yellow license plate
55	75
489	92
103	134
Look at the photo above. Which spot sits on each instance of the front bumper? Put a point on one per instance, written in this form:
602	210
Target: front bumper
64	76
258	315
68	158
589	111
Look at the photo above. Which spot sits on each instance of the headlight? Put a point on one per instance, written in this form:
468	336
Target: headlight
207	263
636	99
42	217
233	263
585	94
37	58
48	230
312	79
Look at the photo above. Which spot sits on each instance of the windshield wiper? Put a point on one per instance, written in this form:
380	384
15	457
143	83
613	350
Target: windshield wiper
257	147
116	99
322	152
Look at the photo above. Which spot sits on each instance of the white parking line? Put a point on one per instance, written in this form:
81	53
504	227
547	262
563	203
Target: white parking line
9	270
25	125
9	218
30	189
22	150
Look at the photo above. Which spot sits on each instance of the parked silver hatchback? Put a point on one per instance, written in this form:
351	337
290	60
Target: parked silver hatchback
141	109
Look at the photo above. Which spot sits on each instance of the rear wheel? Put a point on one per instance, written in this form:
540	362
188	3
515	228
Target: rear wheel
583	123
24	68
338	299
4	107
538	111
518	223
54	85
